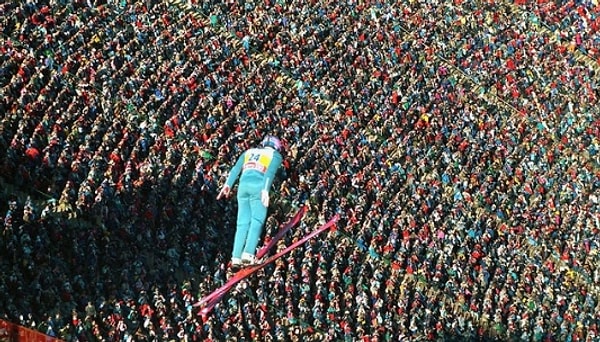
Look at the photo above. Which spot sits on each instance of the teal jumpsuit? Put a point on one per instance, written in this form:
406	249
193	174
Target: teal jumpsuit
258	167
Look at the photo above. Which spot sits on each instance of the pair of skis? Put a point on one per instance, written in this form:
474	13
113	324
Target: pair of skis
209	301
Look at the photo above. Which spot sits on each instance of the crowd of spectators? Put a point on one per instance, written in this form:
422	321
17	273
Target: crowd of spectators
457	140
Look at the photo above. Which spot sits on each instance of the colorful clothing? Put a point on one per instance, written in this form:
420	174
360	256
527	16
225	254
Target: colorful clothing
258	167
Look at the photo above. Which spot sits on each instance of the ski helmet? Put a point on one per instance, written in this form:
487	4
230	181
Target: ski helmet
271	141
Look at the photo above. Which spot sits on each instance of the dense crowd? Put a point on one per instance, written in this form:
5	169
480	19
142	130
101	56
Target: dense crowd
458	141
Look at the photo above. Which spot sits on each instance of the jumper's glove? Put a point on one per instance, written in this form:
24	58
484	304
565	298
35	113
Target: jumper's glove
264	197
224	192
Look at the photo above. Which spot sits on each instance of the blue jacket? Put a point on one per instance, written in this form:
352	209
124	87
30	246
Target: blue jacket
256	165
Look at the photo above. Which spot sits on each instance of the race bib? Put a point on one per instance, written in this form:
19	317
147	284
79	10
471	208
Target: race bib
258	159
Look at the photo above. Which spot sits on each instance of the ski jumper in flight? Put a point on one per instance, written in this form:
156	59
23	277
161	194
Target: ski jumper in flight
258	167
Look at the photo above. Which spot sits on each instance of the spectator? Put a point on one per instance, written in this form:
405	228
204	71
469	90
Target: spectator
457	141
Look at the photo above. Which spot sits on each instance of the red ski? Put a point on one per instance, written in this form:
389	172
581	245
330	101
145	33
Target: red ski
261	252
209	301
284	229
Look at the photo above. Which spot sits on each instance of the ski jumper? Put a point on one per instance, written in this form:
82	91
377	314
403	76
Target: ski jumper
258	167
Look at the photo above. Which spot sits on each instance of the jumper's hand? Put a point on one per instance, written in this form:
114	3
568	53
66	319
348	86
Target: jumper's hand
224	192
264	197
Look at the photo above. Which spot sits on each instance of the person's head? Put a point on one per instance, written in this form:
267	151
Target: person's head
272	142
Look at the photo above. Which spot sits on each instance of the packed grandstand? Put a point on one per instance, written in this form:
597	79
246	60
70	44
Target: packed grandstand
457	140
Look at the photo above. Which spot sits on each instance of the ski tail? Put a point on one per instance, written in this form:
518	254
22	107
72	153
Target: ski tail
264	250
209	301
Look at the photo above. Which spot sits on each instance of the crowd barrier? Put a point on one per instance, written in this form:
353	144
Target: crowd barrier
10	332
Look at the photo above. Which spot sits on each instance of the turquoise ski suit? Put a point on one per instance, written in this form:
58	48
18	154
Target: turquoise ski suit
258	167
